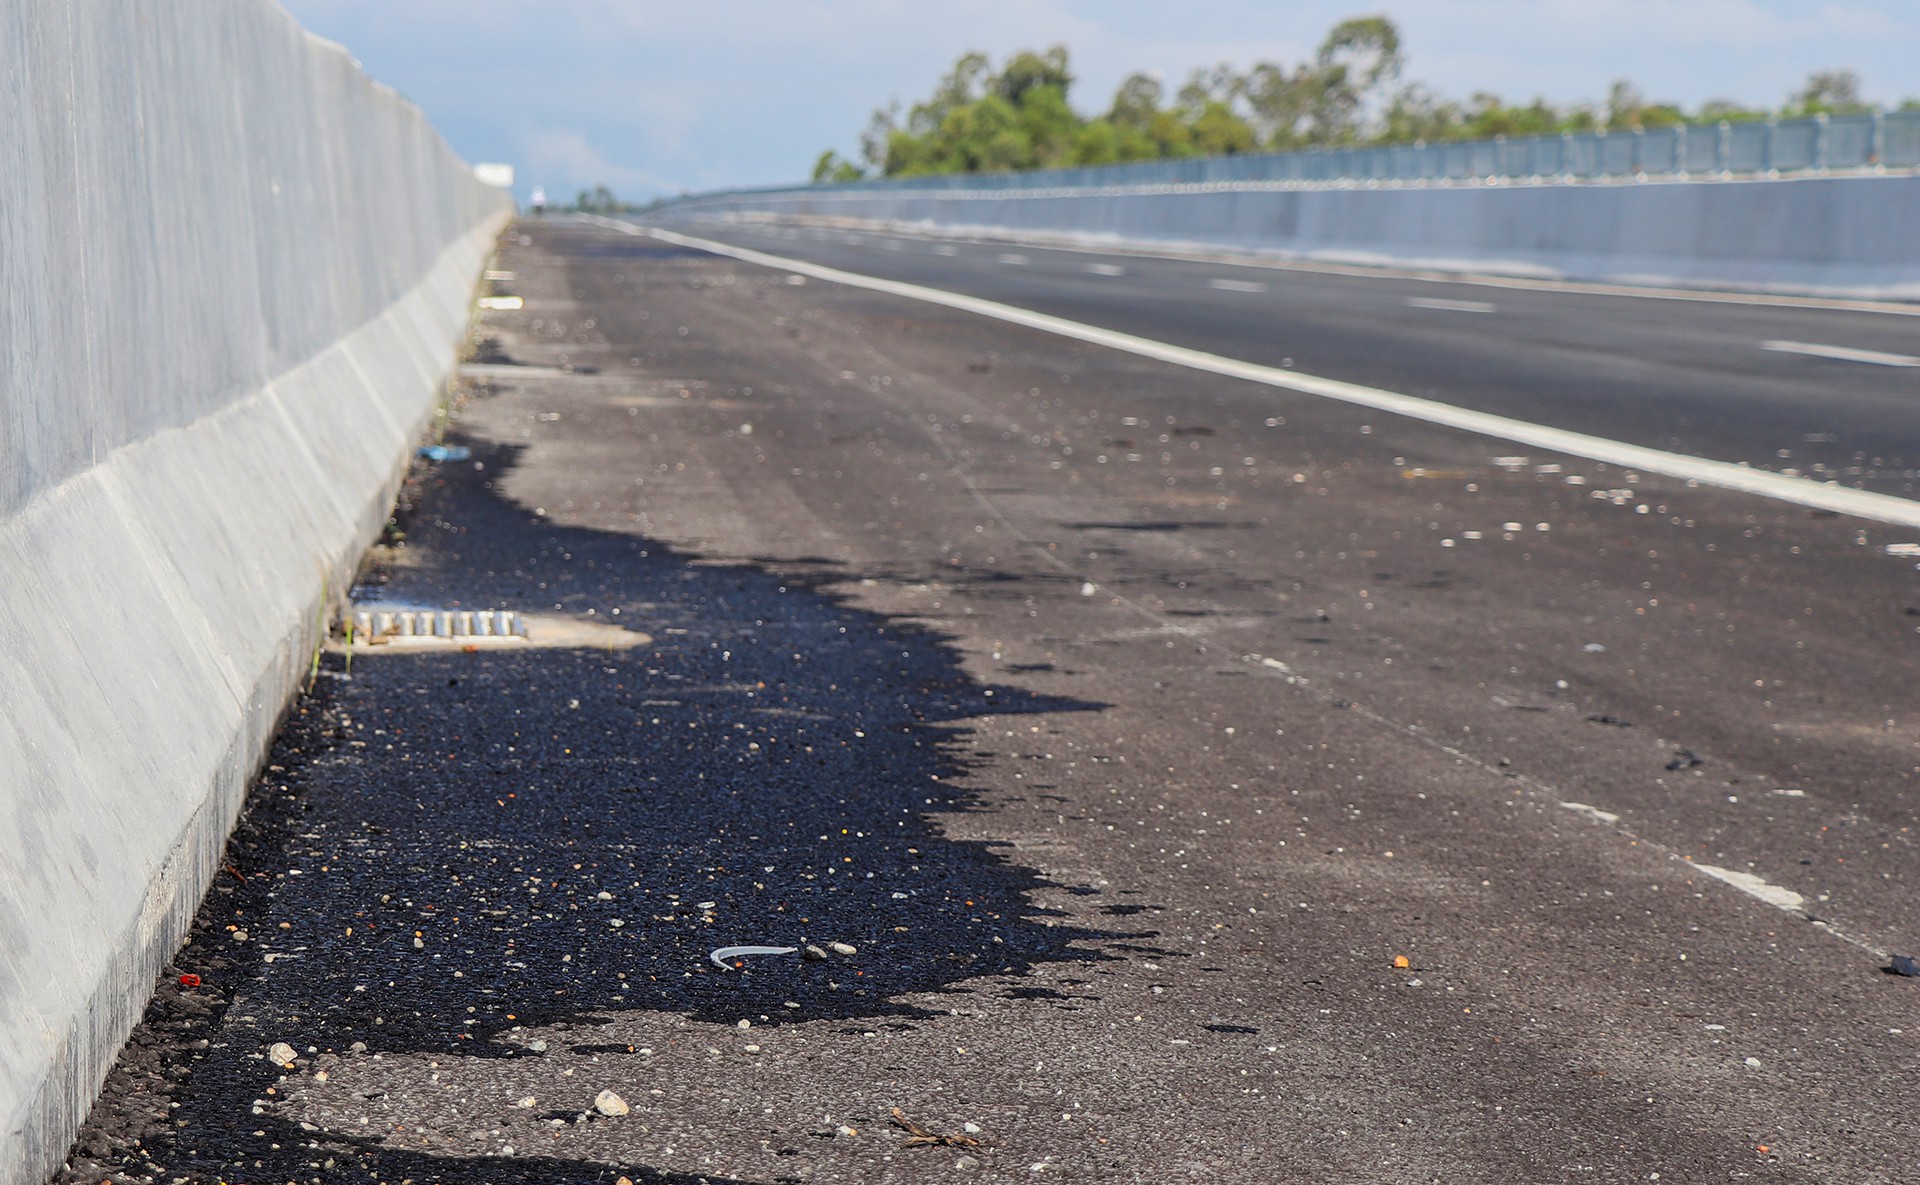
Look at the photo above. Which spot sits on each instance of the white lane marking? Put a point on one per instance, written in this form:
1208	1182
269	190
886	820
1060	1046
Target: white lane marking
1451	306
1840	353
1237	285
1798	491
944	249
1910	550
1106	269
1591	812
1756	888
1012	260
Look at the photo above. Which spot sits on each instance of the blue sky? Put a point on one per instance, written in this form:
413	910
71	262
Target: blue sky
650	97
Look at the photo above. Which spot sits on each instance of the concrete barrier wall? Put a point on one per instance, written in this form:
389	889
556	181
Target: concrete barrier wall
233	276
1840	236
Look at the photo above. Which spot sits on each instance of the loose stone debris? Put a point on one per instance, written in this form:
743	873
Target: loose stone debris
610	1104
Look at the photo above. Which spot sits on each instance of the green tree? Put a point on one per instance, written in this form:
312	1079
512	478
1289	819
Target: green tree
1358	57
598	200
833	169
1727	110
1217	131
1136	102
1827	92
1417	113
979	119
875	141
960	87
1027	71
1280	102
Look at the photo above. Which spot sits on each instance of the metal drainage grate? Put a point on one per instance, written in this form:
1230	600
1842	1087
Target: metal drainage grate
438	623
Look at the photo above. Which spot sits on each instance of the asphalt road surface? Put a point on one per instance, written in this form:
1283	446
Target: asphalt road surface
1822	388
1203	781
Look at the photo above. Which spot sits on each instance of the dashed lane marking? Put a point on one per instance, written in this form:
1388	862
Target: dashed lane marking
1450	306
1840	353
1756	888
1236	285
1106	269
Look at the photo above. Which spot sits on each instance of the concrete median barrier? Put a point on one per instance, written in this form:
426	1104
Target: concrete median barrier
234	273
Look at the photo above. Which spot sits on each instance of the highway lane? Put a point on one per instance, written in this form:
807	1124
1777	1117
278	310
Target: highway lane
1130	722
1776	385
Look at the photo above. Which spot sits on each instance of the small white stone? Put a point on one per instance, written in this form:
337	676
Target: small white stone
843	948
1754	1062
280	1054
609	1103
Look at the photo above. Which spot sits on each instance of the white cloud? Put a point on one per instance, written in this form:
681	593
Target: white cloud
565	160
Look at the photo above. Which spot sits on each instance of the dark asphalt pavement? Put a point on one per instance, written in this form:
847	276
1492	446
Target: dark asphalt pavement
1689	376
1212	783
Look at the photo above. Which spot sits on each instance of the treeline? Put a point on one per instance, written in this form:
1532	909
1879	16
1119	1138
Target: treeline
599	200
979	120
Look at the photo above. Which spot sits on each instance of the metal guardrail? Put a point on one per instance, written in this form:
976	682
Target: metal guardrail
1876	141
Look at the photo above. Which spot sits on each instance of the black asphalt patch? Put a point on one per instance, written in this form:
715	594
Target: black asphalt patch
422	870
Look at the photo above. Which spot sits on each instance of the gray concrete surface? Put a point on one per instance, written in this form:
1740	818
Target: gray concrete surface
1830	235
233	274
1128	721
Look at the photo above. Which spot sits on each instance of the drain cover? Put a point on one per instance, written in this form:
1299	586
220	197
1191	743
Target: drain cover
377	625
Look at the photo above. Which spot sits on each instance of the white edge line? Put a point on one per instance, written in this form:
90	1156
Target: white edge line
1591	812
1797	491
1758	889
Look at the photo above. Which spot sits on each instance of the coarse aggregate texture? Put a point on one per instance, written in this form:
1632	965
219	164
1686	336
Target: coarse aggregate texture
1217	742
233	276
